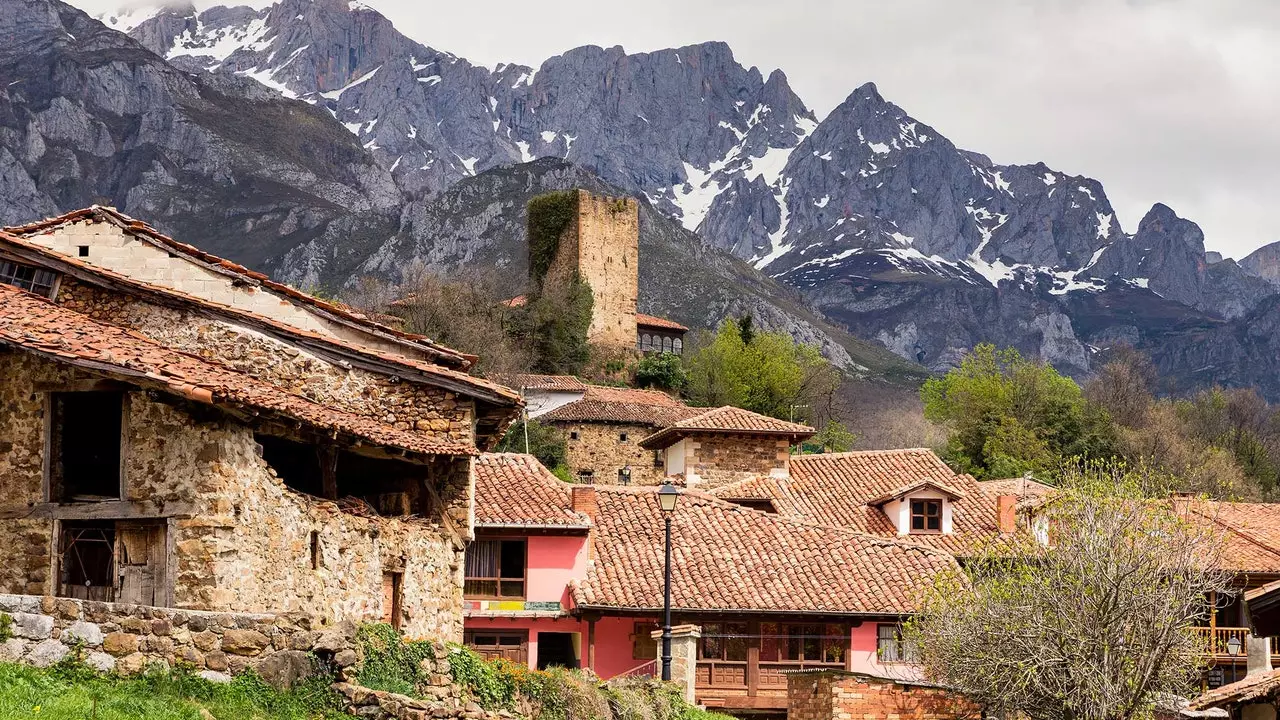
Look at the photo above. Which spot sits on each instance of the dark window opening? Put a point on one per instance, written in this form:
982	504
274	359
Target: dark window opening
391	488
764	505
83	250
315	550
622	437
573	435
557	649
85	446
891	647
658	459
926	515
495	569
88	560
36	280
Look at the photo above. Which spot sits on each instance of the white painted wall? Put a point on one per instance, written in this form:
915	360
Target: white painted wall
673	457
899	511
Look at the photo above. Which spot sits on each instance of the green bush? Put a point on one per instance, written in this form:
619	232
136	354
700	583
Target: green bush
6	627
549	215
390	663
661	370
545	442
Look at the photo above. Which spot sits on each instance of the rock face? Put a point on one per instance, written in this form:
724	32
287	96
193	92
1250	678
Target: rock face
874	216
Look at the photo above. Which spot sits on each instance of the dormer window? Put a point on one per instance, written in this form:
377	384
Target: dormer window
926	516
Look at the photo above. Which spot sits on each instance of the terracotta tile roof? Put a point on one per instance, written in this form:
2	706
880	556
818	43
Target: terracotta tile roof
36	325
911	487
727	419
653	321
478	387
515	490
1252	542
840	490
729	558
549	383
1258	686
1022	487
622	405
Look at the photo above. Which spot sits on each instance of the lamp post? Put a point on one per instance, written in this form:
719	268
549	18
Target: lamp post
624	475
667	496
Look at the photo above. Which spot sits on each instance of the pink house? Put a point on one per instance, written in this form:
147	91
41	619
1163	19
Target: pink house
572	575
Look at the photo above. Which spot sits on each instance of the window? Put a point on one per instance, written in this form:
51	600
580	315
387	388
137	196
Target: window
82	250
804	644
622	437
37	280
495	569
926	515
491	644
392	597
643	644
573	435
85	446
678	346
890	647
723	641
315	550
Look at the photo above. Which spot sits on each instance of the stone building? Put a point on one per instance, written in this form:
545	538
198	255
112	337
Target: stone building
603	430
177	430
724	445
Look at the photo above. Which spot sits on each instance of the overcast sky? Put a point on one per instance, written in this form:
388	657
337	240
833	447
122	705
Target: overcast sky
1169	101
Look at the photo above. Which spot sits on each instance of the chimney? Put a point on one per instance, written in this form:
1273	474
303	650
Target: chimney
1181	502
1259	657
1007	513
583	500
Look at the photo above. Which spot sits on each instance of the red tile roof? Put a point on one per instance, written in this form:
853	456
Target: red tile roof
1252	539
467	384
653	321
841	489
725	419
515	490
1256	687
729	558
1022	487
38	326
916	486
138	228
549	383
626	406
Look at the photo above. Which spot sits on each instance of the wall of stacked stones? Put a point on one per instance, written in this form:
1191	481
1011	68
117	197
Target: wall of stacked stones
723	459
609	259
839	695
131	638
404	404
599	448
246	546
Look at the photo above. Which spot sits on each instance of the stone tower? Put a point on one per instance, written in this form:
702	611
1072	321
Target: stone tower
602	244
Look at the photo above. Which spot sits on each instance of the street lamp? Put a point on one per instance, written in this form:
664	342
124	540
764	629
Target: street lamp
624	475
667	496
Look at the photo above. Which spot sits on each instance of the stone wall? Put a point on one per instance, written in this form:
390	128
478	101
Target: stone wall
841	695
404	404
712	460
130	638
112	248
242	540
609	259
599	448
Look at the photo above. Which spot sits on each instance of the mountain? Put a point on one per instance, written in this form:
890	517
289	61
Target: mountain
869	215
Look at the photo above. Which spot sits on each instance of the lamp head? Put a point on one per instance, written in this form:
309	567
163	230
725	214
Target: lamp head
667	496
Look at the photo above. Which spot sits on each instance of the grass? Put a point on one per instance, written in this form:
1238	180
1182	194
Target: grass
71	691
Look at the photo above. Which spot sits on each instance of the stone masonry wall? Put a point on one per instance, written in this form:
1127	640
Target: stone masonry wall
406	405
110	247
718	459
247	546
131	638
609	259
599	448
840	695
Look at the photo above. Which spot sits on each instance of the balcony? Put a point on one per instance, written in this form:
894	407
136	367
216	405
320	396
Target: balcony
1228	644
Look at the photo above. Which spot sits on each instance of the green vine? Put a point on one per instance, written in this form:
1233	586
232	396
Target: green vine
6	627
549	215
390	663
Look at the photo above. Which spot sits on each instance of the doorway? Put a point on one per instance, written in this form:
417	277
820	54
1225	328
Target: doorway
112	561
557	649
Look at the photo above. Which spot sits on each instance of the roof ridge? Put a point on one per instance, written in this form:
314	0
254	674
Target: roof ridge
865	453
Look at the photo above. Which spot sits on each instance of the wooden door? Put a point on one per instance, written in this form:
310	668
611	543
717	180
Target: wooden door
513	646
391	598
140	554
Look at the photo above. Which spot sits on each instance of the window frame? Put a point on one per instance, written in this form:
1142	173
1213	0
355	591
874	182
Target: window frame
498	581
926	504
36	284
891	649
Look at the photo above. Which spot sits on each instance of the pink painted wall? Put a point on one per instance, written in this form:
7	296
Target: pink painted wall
552	563
613	638
534	626
613	645
863	656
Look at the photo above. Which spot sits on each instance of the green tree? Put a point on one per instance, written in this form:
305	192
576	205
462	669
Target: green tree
771	375
554	324
1008	415
661	370
835	437
544	442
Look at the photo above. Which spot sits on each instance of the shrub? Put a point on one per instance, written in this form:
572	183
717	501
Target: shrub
6	627
661	370
390	663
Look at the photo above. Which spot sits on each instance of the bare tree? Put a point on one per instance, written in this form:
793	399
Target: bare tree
1092	624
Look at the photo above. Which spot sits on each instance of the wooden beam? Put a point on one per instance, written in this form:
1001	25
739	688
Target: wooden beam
328	457
105	510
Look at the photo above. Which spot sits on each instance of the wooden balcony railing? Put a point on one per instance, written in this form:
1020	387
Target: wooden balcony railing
1231	643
